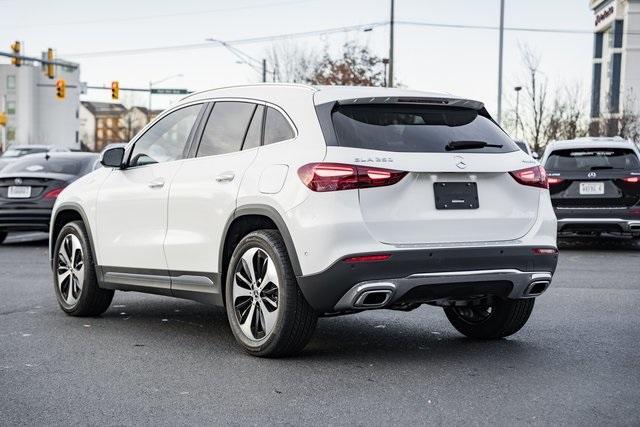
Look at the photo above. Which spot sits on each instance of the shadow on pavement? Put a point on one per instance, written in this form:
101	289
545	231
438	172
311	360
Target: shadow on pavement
27	239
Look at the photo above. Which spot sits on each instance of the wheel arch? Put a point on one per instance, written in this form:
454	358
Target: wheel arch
250	218
65	214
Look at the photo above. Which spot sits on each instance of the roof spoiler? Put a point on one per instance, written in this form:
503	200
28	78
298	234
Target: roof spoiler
450	102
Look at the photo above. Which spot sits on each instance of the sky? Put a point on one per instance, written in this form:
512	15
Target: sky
461	61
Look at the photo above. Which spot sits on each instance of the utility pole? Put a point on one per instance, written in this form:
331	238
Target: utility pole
391	22
500	61
517	89
264	70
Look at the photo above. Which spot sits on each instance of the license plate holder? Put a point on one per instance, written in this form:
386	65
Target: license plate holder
591	188
456	195
19	192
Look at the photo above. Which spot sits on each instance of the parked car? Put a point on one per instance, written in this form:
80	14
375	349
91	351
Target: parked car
30	185
524	146
14	152
283	203
595	186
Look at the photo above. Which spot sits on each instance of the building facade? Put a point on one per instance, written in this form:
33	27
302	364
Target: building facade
35	115
616	58
102	123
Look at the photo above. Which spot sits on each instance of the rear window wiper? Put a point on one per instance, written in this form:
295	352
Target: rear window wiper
466	145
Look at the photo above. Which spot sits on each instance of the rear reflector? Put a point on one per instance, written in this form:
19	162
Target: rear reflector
534	176
632	179
367	258
323	177
53	194
554	181
544	251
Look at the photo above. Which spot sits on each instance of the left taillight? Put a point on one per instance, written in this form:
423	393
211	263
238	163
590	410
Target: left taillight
323	177
534	176
53	194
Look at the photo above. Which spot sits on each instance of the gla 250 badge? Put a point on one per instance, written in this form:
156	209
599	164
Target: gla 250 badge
373	160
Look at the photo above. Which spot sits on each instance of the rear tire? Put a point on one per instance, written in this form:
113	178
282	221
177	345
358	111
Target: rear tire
503	317
3	236
74	275
267	312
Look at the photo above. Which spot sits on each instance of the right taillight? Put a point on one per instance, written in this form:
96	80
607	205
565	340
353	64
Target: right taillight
534	176
553	181
632	179
323	177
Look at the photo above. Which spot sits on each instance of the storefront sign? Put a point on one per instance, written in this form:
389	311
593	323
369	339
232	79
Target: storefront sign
605	16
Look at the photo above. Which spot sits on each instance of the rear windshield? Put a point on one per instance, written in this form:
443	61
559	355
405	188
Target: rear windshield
588	159
424	129
18	152
46	164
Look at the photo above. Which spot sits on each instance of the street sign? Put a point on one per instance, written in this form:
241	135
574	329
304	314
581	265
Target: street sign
169	91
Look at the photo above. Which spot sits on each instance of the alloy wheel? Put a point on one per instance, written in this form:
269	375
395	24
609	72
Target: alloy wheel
255	294
70	269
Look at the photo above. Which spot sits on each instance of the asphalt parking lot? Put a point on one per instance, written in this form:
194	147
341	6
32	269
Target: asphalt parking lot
155	360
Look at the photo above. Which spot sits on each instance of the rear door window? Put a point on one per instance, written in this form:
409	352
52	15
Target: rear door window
226	128
424	129
590	159
254	133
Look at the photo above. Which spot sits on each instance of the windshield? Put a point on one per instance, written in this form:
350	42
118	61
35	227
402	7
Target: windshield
19	152
588	159
426	129
48	164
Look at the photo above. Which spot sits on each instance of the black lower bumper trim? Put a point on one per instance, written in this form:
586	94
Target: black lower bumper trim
324	290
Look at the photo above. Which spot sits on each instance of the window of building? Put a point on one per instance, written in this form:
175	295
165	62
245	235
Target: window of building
617	33
11	82
11	107
614	90
276	127
11	134
597	46
226	128
595	90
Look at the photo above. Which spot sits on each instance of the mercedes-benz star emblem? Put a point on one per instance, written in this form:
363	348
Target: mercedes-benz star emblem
18	181
460	162
592	174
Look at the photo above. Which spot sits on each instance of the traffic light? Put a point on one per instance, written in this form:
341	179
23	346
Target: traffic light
61	89
115	90
50	69
15	47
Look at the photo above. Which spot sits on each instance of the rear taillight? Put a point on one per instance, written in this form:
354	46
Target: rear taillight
323	177
53	194
534	176
544	251
367	258
632	179
554	181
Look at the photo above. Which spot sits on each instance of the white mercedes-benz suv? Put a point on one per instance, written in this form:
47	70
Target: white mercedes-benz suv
285	203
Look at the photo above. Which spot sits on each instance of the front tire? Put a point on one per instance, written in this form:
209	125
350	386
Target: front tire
74	276
499	319
267	312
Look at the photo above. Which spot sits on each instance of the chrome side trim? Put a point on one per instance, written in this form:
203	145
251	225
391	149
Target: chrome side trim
141	280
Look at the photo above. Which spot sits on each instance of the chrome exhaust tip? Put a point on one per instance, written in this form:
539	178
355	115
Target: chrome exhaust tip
537	287
373	299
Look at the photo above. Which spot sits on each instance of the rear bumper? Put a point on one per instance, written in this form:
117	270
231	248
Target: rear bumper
570	226
25	219
430	275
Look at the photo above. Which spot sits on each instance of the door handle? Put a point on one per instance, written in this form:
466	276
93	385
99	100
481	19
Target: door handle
225	177
156	183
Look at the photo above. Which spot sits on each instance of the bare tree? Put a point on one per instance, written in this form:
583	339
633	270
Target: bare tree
567	119
291	63
535	104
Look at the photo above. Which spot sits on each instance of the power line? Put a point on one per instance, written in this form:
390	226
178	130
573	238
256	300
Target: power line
349	28
230	42
162	15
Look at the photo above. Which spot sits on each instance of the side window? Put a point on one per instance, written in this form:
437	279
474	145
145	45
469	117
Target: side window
167	139
276	127
226	128
254	133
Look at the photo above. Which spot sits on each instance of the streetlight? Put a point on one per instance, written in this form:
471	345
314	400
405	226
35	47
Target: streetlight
258	65
517	89
151	84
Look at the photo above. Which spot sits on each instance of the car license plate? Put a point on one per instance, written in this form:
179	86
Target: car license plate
591	188
456	195
21	192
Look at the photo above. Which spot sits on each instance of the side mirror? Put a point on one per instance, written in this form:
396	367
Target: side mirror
113	157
